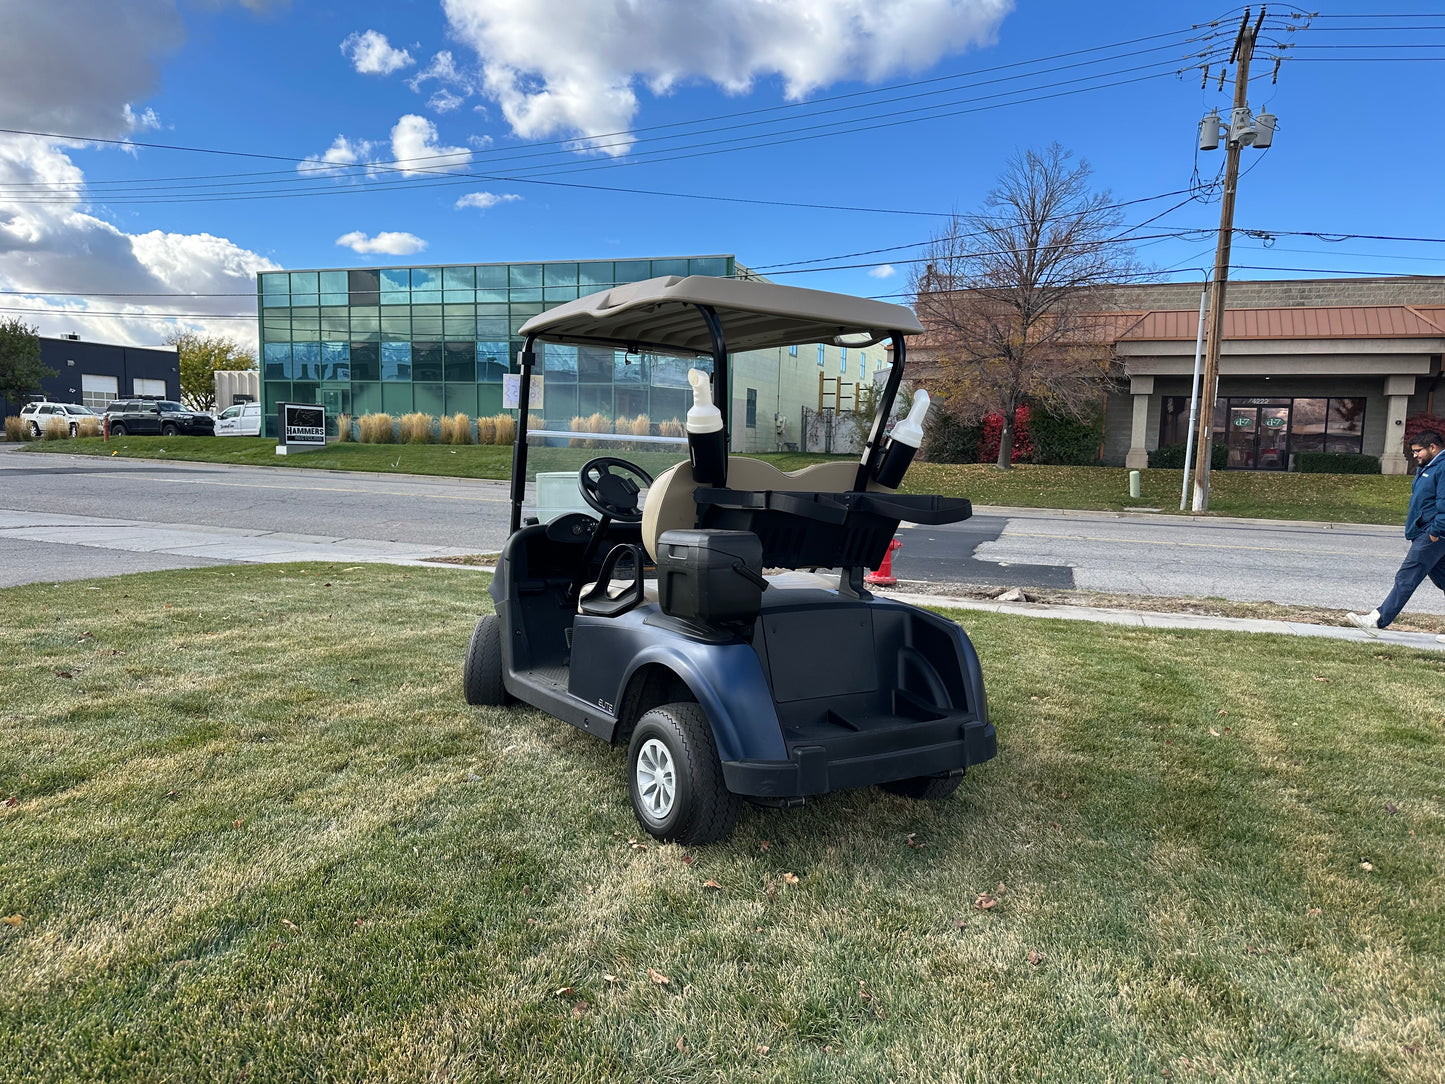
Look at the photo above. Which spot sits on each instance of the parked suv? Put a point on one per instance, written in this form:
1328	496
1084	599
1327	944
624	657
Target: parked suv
36	416
157	417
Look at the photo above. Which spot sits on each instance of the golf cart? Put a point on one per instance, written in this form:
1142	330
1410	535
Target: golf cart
683	616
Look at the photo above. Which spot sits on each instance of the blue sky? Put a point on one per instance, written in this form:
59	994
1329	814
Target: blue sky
456	131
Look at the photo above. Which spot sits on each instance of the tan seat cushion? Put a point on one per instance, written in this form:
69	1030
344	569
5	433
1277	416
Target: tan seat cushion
670	505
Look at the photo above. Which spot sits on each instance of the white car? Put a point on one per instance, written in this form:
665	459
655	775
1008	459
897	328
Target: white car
239	420
36	416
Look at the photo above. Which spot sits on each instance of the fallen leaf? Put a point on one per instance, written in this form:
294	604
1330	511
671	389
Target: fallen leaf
986	901
13	920
360	922
1391	808
658	977
790	878
1223	712
12	802
710	883
64	674
1326	680
681	1042
238	822
581	1008
1036	958
913	841
289	924
1367	866
354	681
1313	912
763	1048
1213	733
688	860
765	846
611	978
565	991
1256	950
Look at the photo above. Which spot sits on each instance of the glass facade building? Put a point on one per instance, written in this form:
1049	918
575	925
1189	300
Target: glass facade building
438	339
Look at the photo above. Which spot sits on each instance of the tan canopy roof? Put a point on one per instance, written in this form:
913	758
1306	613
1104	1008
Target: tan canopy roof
755	315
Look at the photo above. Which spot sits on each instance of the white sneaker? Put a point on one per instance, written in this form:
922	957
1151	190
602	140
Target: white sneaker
1370	622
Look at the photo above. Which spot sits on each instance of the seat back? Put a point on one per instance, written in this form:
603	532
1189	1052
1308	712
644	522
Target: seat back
670	505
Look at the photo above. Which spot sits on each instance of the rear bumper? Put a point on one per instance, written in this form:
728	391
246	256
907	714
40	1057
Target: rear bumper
819	767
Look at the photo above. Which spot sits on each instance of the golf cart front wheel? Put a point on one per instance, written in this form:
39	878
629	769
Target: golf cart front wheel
926	788
675	779
482	672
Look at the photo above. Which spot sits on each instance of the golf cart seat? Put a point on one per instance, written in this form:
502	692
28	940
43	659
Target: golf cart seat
672	500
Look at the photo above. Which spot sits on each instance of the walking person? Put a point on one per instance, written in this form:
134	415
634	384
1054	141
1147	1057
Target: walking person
1424	527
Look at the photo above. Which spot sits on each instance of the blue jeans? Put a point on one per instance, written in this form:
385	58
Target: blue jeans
1425	558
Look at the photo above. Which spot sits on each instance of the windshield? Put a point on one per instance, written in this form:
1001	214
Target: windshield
590	401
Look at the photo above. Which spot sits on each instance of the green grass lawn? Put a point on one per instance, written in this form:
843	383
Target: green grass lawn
1342	498
250	831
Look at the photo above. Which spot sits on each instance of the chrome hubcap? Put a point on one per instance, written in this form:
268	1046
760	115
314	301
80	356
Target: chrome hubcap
656	779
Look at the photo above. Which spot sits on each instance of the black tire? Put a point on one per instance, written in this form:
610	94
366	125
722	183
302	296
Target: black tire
117	430
74	430
34	431
924	788
482	672
673	744
169	430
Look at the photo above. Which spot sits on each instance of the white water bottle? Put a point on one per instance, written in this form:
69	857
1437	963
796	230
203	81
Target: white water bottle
903	443
706	439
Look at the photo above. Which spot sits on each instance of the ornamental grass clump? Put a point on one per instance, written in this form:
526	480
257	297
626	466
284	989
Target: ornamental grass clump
343	429
416	428
15	429
670	428
88	427
507	428
486	430
376	429
57	429
457	429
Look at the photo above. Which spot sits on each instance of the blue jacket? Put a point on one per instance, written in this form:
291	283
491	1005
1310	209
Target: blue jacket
1427	501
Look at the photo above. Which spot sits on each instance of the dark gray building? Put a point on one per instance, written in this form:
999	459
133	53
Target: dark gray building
95	373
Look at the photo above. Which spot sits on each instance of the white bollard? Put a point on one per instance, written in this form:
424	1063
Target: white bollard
1134	484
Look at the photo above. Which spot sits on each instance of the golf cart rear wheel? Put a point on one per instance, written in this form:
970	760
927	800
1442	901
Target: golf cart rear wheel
926	788
482	673
675	779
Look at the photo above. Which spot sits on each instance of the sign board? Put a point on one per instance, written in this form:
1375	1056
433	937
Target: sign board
512	392
300	427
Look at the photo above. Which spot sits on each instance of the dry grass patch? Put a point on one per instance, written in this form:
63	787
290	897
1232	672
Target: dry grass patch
456	429
270	839
16	428
416	428
343	428
376	429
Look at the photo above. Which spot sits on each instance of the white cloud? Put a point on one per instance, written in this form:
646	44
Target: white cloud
443	69
482	200
140	122
415	149
58	252
444	101
571	66
371	54
343	152
387	242
883	271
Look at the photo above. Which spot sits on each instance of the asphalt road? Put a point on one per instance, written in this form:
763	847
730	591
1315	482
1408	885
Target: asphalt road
70	517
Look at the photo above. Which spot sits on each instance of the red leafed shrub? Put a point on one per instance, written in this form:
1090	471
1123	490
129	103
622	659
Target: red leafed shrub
1418	423
1023	448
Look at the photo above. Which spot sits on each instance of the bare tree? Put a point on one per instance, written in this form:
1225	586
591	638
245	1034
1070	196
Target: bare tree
1010	295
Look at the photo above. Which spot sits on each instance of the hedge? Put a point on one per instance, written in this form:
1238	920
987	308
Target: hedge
1336	463
1064	441
1172	457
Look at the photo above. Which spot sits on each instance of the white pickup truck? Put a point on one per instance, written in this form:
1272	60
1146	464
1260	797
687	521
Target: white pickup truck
239	420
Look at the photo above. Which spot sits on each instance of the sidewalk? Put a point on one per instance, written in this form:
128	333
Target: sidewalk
1154	620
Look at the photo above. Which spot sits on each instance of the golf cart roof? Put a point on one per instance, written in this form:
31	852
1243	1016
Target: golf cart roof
662	313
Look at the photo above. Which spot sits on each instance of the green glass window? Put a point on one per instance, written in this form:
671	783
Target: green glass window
461	362
396	322
712	265
525	275
396	286
365	322
365	398
426	361
426	286
396	361
459	284
426	321
365	361
668	267
276	290
364	286
305	325
335	361
596	275
559	363
493	327
275	360
306	362
430	398
632	270
334	288
559	274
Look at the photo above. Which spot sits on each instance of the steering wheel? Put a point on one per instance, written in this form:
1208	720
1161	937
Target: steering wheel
612	494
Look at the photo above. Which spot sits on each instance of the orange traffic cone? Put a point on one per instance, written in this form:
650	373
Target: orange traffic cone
883	575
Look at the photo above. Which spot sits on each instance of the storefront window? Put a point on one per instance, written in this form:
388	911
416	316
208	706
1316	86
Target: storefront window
1345	427
1173	420
1307	425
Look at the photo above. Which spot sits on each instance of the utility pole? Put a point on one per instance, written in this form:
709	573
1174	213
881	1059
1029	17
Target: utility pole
1243	130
